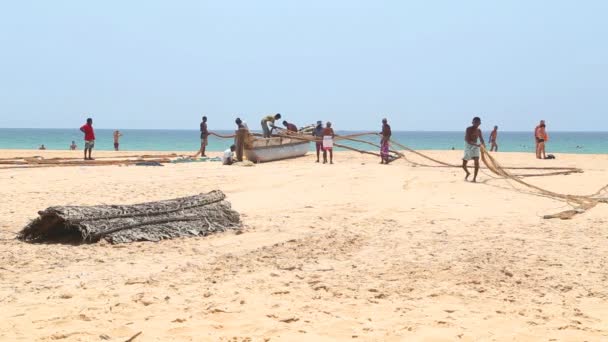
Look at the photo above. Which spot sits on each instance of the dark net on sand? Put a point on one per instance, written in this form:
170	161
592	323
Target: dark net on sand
198	215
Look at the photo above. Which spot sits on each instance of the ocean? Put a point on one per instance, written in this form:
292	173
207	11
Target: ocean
188	140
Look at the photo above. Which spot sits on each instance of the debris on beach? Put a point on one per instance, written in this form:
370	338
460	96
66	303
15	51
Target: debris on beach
198	215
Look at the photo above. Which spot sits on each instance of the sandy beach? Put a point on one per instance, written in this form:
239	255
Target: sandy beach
351	251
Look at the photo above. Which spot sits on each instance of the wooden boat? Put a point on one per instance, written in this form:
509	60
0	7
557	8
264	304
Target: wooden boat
260	150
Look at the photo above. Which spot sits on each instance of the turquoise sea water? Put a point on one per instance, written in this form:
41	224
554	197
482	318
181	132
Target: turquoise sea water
188	140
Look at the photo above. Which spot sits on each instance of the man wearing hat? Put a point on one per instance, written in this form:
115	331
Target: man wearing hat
318	134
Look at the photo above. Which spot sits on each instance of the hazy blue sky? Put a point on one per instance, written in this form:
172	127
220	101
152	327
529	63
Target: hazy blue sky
426	65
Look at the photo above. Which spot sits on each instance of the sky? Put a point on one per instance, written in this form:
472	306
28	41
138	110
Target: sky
425	65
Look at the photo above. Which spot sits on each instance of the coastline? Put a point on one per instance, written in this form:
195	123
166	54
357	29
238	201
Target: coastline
327	252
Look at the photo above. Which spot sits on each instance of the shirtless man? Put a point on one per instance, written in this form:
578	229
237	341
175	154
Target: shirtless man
328	143
472	147
542	122
493	136
117	136
204	138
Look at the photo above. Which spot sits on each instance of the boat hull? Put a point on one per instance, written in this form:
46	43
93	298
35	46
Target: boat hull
266	150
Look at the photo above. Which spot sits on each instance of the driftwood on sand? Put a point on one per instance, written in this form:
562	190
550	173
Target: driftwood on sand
198	215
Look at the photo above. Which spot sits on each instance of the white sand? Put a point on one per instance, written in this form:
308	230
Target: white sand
354	250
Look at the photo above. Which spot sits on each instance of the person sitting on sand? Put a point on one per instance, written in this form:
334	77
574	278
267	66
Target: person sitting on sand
73	147
328	143
318	134
290	127
89	138
117	136
493	137
385	142
472	147
204	138
42	147
228	157
541	137
266	120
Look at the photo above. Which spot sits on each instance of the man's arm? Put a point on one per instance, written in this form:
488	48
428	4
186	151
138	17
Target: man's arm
82	129
481	138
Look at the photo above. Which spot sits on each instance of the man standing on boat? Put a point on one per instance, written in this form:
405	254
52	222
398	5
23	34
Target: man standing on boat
318	134
269	119
204	138
384	142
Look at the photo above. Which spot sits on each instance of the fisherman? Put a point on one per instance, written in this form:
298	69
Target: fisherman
472	147
242	131
228	157
73	147
328	143
204	138
117	136
536	129
290	127
269	119
493	136
89	138
318	134
240	124
385	142
541	138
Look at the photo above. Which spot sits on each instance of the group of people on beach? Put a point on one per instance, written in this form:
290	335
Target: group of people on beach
324	136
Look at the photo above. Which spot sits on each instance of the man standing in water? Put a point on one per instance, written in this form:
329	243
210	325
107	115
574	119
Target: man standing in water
384	142
117	136
89	138
472	147
493	136
204	138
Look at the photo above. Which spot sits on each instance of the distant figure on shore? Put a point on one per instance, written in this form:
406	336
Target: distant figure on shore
290	127
266	120
73	147
385	142
228	157
42	147
204	138
89	138
541	139
117	136
493	137
536	129
318	134
472	147
328	143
